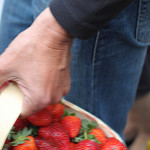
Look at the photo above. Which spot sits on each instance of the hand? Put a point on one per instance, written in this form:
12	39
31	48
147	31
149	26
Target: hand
38	60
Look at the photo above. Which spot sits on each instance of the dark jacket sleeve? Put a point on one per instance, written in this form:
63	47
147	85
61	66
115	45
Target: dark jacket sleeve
83	18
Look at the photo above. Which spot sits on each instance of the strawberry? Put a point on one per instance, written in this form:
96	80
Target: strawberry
87	145
41	118
72	125
29	144
56	134
99	135
72	145
43	144
23	140
113	144
57	111
20	124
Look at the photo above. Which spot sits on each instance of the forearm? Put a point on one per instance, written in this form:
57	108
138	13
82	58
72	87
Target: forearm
83	18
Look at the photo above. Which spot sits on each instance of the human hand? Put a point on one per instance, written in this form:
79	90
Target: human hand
38	60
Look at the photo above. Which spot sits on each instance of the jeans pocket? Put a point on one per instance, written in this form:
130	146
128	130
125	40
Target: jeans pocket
143	22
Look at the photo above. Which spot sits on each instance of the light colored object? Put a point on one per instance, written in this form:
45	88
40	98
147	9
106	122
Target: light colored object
81	113
11	99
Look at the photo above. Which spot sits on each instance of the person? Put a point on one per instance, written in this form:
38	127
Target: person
137	130
110	41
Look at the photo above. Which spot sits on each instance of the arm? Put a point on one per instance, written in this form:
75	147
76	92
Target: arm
83	18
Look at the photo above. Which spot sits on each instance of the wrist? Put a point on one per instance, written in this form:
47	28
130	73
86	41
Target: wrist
46	22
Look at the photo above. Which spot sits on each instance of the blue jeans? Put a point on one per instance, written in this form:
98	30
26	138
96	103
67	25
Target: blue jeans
106	68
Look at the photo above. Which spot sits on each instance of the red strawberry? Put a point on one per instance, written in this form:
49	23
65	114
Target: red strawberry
72	125
43	144
41	118
87	145
72	145
20	124
29	144
55	134
57	111
99	135
23	141
113	144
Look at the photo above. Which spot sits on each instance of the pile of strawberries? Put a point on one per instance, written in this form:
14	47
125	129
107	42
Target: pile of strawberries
53	128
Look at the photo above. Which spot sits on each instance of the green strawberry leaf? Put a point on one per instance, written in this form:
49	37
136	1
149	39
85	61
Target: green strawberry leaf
11	133
78	139
19	140
66	113
34	130
72	114
90	136
86	128
21	136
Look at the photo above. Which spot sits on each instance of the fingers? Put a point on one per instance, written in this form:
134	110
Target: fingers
40	99
4	73
32	105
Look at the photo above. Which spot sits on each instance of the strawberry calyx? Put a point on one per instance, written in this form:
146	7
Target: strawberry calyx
11	133
6	147
66	113
34	130
85	136
21	136
86	128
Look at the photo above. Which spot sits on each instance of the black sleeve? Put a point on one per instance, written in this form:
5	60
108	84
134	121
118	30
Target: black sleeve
83	18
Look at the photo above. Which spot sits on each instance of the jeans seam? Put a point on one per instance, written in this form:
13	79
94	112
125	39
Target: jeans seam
138	20
93	63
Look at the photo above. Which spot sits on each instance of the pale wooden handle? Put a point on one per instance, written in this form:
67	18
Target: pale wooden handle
11	100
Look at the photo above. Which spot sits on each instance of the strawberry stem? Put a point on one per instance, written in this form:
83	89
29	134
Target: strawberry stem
85	135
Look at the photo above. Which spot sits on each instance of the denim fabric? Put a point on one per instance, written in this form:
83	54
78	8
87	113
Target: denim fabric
143	22
16	17
105	69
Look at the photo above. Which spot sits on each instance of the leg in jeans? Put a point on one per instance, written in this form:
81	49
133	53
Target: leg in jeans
16	17
106	69
144	84
137	130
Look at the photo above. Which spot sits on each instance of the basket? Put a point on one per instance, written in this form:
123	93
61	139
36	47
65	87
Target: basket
81	113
